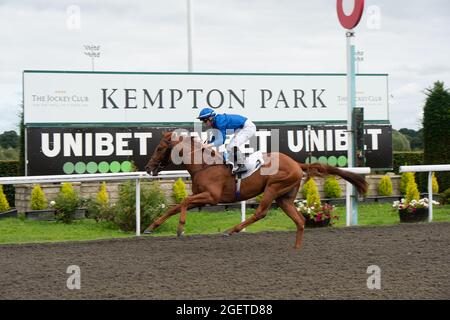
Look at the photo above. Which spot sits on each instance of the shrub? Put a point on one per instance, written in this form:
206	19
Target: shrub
67	203
436	129
305	187
434	184
445	197
385	186
404	180
331	188
38	199
4	205
103	196
179	190
100	208
312	193
153	204
9	169
412	193
259	197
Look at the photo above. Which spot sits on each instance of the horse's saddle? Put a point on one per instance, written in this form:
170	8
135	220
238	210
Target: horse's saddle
252	163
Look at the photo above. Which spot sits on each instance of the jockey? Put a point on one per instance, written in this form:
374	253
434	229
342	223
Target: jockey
243	128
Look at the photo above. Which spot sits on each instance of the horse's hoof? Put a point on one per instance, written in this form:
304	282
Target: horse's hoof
226	234
180	234
146	231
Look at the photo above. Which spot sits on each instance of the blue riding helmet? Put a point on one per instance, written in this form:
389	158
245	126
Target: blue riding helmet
206	113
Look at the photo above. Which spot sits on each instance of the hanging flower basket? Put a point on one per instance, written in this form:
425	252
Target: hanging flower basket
317	216
413	211
418	215
313	223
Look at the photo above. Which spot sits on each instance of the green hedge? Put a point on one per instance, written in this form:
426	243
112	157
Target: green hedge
9	168
407	158
411	159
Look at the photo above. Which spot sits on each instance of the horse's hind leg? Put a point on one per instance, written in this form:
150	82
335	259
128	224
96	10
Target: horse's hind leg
286	203
260	213
163	218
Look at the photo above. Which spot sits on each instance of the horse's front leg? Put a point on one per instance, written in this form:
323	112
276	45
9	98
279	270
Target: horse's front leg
192	202
163	218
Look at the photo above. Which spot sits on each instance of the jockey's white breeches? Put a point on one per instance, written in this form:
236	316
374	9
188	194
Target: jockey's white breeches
242	135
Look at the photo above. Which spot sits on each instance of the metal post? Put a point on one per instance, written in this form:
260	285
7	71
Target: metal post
430	196
243	210
138	207
189	34
351	196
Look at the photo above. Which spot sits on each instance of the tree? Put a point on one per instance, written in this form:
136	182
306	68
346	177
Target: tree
400	142
436	129
415	138
9	139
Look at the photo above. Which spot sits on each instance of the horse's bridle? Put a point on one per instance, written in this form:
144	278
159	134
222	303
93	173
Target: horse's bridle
165	160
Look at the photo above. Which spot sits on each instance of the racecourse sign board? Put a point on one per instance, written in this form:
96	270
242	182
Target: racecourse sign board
57	150
86	122
145	98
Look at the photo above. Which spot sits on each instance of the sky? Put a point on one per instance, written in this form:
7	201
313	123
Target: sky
407	39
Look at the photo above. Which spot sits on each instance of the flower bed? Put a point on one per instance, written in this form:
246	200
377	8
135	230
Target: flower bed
413	211
318	215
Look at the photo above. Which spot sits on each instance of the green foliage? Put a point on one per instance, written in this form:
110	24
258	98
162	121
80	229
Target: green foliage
332	188
415	138
100	208
9	154
67	202
385	186
434	184
179	190
407	158
412	193
436	129
4	205
400	142
153	204
404	180
9	139
312	193
103	196
445	197
259	197
38	199
9	169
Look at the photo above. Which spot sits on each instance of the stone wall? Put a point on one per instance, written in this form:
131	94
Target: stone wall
90	189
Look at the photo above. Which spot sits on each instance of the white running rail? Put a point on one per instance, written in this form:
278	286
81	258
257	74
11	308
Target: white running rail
430	169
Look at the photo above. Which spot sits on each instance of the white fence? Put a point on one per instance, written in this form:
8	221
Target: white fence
137	176
430	169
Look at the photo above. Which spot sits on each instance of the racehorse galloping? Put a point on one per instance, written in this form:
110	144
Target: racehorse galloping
214	183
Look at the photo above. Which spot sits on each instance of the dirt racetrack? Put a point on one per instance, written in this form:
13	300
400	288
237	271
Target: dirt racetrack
414	260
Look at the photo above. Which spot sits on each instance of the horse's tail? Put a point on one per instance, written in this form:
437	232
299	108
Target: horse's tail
321	170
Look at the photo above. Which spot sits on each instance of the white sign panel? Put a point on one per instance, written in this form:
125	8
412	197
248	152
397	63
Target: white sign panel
108	97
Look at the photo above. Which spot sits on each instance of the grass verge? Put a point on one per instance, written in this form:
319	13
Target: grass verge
14	230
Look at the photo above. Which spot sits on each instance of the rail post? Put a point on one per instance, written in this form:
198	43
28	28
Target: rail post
138	207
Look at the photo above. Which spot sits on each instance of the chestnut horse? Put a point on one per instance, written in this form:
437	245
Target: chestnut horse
214	183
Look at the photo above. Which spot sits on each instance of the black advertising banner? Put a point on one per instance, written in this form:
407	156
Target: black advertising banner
72	150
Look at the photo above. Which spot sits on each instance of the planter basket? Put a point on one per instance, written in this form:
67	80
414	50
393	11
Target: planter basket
50	214
311	223
9	214
41	215
418	215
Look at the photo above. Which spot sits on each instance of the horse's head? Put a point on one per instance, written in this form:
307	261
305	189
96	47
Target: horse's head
161	156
